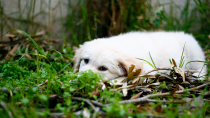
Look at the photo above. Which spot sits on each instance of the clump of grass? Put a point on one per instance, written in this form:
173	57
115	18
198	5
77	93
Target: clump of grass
13	70
84	82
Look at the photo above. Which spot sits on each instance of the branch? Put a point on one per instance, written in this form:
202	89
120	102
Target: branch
92	101
146	98
4	106
158	69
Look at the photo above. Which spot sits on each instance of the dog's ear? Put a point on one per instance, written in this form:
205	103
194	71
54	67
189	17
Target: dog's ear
76	58
126	62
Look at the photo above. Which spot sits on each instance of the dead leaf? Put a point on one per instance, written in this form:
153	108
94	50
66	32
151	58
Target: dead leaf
181	88
96	92
132	75
147	76
154	84
174	62
136	96
181	72
138	71
131	68
125	90
10	35
11	53
146	90
159	108
16	31
136	80
166	75
185	83
172	92
126	87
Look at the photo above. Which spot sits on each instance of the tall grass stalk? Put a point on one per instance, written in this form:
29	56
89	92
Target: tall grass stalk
182	58
39	51
152	61
71	25
201	6
85	17
62	23
147	62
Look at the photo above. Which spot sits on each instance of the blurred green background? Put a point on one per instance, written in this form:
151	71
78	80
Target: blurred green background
74	22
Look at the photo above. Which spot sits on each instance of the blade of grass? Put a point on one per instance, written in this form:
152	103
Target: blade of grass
62	23
170	61
194	61
29	15
64	67
85	17
71	26
35	44
182	58
152	60
147	62
39	51
2	29
201	9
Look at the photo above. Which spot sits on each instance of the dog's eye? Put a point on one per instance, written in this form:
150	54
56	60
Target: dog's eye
86	61
102	68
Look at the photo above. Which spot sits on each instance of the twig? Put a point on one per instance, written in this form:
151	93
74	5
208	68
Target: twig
155	116
88	101
4	89
43	83
146	98
163	101
92	101
4	106
158	69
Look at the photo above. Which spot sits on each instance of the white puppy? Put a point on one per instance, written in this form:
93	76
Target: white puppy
112	56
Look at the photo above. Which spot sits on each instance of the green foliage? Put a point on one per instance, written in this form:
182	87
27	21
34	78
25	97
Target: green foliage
84	82
88	80
163	85
14	70
117	110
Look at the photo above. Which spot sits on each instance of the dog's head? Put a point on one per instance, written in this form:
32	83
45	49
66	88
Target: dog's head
102	58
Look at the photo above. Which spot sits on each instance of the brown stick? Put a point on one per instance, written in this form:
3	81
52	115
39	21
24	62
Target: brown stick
92	101
146	98
158	69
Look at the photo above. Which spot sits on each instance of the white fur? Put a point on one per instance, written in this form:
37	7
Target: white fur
113	52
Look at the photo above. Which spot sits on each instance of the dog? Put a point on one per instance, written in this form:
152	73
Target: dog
113	56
